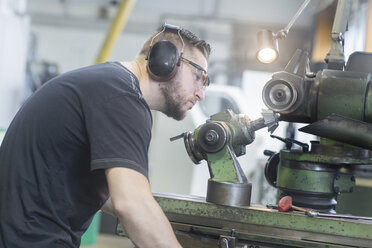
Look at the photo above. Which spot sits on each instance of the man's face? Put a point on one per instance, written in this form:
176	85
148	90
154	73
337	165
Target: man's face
183	91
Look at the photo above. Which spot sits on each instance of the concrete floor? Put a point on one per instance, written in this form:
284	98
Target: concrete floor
110	241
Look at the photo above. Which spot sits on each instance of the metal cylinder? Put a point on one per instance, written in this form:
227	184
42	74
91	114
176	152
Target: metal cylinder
229	194
344	93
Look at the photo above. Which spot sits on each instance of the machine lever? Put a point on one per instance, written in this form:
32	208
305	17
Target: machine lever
344	216
268	153
177	137
285	204
305	147
289	142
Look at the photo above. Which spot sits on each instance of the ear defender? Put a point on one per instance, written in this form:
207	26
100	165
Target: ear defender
163	61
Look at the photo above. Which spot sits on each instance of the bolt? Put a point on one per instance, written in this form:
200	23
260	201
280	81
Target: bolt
337	189
211	137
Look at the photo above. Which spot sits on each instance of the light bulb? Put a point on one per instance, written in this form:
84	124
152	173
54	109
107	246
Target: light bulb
267	55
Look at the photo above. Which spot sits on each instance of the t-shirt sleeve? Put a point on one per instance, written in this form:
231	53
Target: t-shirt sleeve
119	133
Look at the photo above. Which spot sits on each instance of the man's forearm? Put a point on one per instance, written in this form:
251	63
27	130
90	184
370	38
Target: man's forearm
141	216
146	219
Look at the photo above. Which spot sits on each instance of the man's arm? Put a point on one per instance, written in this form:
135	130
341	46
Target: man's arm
141	216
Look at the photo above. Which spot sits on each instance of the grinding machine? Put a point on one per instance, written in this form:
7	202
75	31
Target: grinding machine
336	103
312	177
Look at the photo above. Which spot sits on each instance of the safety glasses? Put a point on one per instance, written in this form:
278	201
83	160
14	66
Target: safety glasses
204	74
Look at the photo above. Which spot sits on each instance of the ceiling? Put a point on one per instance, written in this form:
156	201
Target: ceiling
147	12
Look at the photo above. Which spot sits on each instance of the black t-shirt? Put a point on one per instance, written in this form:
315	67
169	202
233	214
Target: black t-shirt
52	157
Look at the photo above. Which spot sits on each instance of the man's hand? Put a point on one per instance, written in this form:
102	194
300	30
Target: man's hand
139	213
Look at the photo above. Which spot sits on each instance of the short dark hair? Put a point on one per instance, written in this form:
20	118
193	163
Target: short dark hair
171	34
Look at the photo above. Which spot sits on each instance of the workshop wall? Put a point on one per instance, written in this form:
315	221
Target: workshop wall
14	31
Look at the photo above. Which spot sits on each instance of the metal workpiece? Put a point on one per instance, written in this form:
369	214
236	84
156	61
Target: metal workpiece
198	223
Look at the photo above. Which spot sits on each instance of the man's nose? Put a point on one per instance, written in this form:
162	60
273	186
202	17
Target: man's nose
199	93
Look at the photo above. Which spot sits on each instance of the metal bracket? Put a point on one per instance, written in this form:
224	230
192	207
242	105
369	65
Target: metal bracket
335	57
226	242
343	183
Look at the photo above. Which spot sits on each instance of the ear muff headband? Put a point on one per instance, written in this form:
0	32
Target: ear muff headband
163	58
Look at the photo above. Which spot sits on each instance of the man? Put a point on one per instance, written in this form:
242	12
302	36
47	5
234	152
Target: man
80	144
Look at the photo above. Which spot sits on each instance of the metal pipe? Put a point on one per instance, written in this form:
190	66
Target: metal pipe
116	28
341	19
294	18
335	57
281	34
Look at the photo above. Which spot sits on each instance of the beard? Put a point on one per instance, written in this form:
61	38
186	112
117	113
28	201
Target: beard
174	101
